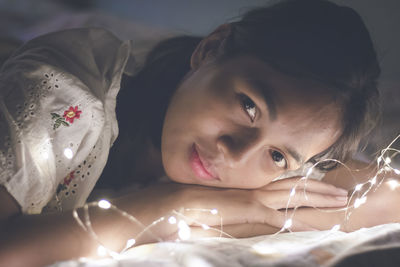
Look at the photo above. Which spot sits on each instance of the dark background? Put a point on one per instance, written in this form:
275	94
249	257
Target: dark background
151	19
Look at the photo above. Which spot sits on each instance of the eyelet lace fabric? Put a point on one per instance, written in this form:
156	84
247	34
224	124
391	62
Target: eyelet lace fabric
57	116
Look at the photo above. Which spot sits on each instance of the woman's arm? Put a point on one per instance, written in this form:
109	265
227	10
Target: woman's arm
36	240
381	204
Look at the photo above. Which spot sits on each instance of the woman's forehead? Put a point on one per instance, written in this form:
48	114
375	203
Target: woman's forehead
277	88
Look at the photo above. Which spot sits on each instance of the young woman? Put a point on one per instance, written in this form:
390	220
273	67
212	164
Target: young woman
225	118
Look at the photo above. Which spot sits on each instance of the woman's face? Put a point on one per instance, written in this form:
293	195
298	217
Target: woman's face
240	124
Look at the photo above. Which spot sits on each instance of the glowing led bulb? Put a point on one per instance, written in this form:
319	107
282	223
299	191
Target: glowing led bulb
130	243
388	160
293	192
396	171
288	224
102	251
184	230
358	187
45	155
104	204
335	228
359	202
205	226
68	153
214	211
172	220
393	184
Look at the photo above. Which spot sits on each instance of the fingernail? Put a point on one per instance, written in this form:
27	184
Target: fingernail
341	198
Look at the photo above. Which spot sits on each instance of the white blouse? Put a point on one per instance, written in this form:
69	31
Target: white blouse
57	116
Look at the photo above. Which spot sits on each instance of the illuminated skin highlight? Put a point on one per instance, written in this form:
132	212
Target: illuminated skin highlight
245	145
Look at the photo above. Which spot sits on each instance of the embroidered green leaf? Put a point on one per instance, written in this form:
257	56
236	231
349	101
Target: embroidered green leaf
54	115
56	125
61	120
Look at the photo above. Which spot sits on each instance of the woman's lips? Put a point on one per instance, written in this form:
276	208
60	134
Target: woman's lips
198	166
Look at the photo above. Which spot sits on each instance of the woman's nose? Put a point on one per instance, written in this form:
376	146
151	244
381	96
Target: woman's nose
238	148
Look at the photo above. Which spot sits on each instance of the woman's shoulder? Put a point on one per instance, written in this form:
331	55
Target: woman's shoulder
92	55
57	102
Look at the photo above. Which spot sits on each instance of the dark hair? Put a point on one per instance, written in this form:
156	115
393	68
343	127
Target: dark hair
312	39
141	106
322	41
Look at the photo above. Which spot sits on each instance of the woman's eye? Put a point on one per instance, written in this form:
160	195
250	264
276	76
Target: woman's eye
249	106
279	159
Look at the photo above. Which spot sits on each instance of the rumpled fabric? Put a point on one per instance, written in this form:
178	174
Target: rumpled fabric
57	116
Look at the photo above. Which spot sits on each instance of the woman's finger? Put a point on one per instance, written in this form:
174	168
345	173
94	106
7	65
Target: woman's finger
310	185
280	199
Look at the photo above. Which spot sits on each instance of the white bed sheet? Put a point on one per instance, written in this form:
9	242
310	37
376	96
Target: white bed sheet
319	248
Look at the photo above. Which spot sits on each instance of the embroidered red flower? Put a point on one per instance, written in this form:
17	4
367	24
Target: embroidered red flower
71	114
69	178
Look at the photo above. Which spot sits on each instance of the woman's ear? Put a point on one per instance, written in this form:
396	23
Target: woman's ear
211	46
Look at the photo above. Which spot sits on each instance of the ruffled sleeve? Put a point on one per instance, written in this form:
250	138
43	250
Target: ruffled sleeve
57	103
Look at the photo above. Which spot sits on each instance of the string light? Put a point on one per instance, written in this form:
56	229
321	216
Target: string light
172	220
205	226
293	192
393	184
68	153
387	168
45	155
359	202
184	230
288	224
214	211
358	187
335	228
130	243
102	251
104	204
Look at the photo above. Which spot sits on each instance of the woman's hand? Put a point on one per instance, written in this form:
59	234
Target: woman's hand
243	212
300	192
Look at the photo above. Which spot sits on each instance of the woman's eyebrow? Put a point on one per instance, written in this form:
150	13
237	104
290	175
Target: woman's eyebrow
295	155
267	94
